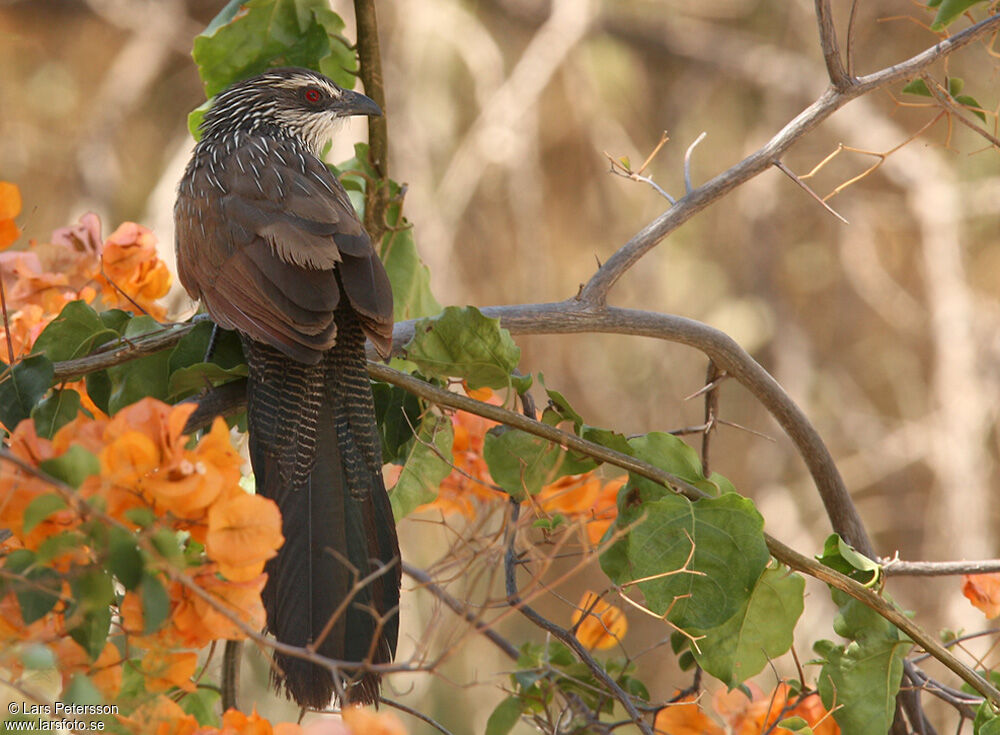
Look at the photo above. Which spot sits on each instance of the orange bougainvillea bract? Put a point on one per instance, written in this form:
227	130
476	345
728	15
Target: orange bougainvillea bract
123	271
604	625
583	498
685	717
10	207
765	709
983	591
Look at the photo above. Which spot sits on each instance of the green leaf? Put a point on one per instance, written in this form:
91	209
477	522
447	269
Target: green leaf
81	690
197	116
137	379
247	37
759	632
607	438
463	343
155	603
524	463
949	11
39	591
397	413
841	556
142	517
917	86
227	352
124	559
729	555
38	656
862	676
504	716
22	388
41	508
424	469
92	632
198	377
74	333
58	544
55	411
669	453
73	466
559	409
203	704
166	543
987	721
964	99
410	278
955	86
99	389
796	724
116	319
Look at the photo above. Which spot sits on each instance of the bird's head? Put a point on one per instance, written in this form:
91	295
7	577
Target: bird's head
300	103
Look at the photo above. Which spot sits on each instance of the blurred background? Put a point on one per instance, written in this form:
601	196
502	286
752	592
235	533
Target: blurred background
885	331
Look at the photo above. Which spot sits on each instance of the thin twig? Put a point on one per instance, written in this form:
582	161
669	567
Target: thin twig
687	162
957	113
712	378
561	634
416	713
419	575
794	177
831	49
370	60
899	568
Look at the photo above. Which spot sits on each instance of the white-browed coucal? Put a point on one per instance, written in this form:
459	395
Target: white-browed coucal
268	240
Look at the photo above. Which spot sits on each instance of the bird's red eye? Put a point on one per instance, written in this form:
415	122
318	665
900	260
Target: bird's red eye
313	94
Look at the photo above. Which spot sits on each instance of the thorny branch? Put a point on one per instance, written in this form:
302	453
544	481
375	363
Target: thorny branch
595	292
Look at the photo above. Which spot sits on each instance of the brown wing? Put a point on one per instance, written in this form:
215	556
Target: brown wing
268	240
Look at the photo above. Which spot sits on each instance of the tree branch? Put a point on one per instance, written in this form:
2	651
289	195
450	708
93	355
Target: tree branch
831	49
595	292
370	58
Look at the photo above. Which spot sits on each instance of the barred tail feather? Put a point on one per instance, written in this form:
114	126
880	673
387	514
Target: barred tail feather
315	452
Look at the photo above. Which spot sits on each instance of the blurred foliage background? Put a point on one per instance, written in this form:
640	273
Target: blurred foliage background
885	331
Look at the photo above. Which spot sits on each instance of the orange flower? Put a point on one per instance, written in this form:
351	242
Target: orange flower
166	669
983	591
605	510
163	716
25	326
685	717
604	626
753	716
468	485
131	263
583	497
570	495
365	722
235	722
105	673
145	450
196	622
19	488
10	207
243	532
12	628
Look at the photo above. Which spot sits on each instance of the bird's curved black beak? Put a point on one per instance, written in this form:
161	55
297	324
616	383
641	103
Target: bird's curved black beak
355	103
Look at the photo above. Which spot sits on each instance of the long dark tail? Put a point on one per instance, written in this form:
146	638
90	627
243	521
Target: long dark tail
316	453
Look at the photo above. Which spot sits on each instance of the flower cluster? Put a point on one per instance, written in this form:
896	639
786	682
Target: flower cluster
585	498
198	536
747	716
123	271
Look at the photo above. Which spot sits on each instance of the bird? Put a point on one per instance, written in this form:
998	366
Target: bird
268	240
